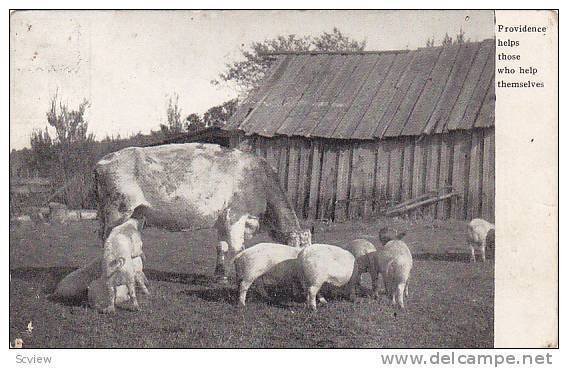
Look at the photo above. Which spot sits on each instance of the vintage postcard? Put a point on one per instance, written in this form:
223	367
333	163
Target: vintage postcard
283	179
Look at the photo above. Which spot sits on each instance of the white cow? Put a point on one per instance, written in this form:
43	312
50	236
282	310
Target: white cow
191	186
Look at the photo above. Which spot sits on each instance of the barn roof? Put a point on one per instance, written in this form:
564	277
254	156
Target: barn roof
368	95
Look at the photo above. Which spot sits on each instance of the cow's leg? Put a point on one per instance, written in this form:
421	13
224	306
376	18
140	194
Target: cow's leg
235	243
237	234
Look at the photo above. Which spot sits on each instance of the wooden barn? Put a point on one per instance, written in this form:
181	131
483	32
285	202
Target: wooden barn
354	133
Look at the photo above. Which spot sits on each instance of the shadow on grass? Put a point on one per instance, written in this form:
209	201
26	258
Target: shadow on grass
181	278
229	294
49	277
446	257
221	294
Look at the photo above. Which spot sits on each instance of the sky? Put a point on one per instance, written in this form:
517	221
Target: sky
128	63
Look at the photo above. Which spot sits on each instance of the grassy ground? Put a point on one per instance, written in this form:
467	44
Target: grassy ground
450	304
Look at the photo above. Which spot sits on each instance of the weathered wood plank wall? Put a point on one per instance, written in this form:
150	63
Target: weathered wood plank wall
340	179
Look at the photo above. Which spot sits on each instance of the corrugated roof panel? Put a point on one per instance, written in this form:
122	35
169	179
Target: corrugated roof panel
274	98
312	64
432	91
474	75
345	119
309	119
401	90
368	95
345	98
334	83
439	117
245	108
486	116
383	97
329	120
424	65
362	102
479	93
327	64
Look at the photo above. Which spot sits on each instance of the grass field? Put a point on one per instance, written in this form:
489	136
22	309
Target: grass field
450	304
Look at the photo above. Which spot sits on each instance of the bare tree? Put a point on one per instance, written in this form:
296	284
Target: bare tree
174	124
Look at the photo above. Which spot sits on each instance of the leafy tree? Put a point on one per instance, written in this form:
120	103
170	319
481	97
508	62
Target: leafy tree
246	74
193	122
218	115
42	153
66	157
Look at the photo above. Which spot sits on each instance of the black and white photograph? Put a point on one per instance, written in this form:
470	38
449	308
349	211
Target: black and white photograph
256	178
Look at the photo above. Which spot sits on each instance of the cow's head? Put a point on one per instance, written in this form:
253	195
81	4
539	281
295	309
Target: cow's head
300	238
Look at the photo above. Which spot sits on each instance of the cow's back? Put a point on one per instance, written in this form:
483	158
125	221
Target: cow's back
180	186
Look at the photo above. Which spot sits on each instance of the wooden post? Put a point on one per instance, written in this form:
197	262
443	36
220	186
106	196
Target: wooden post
356	185
445	177
488	183
342	187
396	155
407	168
475	175
283	162
460	174
293	168
315	179
327	182
432	168
382	175
303	177
368	171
